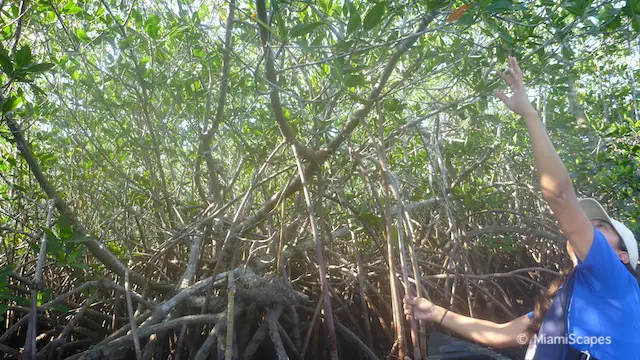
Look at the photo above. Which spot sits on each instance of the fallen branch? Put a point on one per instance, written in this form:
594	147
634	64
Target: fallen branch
162	310
103	351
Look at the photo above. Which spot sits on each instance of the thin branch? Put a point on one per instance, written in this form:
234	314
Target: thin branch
30	342
498	230
270	72
231	291
57	345
322	272
494	275
132	320
224	84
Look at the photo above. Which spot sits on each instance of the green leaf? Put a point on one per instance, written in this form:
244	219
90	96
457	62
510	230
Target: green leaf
502	32
74	10
60	308
373	17
11	104
37	89
437	4
43	296
54	245
578	7
79	266
632	7
303	29
635	23
353	80
4	275
152	27
467	19
64	227
499	6
78	238
392	105
41	67
354	19
610	129
3	310
609	17
82	35
71	8
5	61
504	35
23	56
18	299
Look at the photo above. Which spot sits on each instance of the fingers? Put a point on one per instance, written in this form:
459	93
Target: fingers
408	303
500	95
515	67
408	311
411	300
506	77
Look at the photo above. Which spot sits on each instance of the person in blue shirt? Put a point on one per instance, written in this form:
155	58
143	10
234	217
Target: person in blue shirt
603	321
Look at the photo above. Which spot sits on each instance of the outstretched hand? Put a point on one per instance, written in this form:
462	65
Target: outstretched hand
518	102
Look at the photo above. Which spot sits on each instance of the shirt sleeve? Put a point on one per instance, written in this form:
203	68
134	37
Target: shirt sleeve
602	271
530	315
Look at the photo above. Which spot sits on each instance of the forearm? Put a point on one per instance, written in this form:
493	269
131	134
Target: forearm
482	331
555	182
557	189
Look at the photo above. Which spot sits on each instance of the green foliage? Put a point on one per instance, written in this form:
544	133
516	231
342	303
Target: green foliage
354	18
152	27
5	61
65	245
116	112
373	16
304	29
6	295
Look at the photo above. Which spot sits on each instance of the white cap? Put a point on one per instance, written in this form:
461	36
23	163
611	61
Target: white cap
594	211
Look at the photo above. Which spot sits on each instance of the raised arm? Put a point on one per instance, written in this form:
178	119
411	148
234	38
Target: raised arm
556	185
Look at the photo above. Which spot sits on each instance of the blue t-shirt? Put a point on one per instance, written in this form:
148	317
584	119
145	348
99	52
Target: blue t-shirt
604	314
